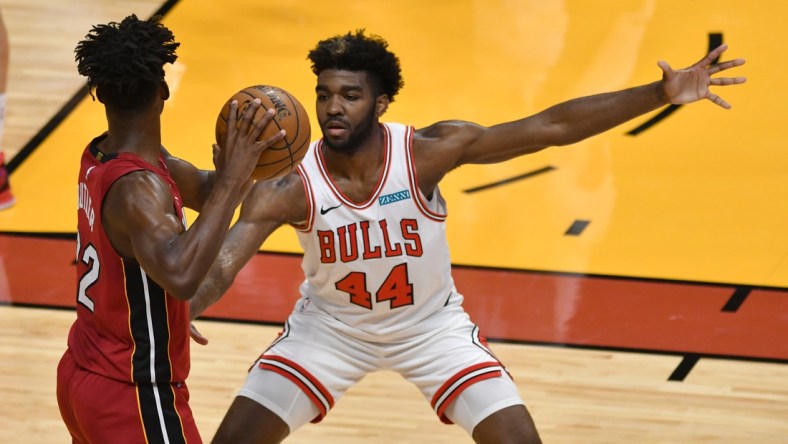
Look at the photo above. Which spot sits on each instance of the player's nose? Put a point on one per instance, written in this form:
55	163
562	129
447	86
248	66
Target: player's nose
334	106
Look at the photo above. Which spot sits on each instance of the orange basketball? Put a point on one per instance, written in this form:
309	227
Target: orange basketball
283	157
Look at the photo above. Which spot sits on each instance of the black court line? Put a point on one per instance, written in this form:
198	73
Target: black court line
613	277
61	115
650	351
684	368
577	227
715	40
40	235
670	109
543	170
738	298
646	351
165	8
687	363
46	130
619	277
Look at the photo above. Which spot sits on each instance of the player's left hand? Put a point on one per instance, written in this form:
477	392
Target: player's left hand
692	84
197	336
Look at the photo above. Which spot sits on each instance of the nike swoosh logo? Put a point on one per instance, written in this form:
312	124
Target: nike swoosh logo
323	211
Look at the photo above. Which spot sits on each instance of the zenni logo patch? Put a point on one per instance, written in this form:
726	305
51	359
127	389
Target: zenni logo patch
394	197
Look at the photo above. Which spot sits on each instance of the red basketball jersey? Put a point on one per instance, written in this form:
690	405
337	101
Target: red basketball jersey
128	327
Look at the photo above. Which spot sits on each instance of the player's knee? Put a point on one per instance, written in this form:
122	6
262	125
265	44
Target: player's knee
510	425
249	422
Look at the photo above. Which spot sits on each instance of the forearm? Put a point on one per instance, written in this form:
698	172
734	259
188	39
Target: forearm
578	119
563	124
242	243
260	216
203	191
212	289
198	246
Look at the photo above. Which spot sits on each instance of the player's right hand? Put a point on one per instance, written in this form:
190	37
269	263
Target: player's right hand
238	157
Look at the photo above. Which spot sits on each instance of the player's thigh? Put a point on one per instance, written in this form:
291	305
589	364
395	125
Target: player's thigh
291	401
104	410
66	383
309	357
491	408
450	360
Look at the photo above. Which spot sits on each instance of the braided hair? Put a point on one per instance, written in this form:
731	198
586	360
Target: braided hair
125	61
358	52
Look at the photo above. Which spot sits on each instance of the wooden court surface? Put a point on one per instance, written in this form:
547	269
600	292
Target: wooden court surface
634	284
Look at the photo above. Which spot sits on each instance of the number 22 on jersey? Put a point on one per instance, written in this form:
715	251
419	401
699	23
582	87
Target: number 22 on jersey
89	257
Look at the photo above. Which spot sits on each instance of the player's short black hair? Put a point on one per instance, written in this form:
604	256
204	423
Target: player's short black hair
355	51
125	61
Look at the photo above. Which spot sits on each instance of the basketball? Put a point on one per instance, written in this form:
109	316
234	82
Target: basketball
284	156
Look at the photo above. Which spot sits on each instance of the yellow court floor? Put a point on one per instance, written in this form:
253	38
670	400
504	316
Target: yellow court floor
699	196
616	269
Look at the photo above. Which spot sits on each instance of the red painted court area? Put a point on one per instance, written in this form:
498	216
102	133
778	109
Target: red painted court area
511	305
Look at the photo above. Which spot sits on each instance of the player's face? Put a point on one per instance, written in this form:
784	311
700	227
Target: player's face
346	109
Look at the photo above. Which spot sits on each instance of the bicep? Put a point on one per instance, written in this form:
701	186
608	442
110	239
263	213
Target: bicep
508	140
194	184
444	146
447	145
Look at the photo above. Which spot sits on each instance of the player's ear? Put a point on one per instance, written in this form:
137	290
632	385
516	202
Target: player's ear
98	95
165	90
381	104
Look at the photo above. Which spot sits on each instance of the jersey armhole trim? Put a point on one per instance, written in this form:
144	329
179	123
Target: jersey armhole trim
306	226
419	198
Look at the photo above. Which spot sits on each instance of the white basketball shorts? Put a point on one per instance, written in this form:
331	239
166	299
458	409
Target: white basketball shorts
314	361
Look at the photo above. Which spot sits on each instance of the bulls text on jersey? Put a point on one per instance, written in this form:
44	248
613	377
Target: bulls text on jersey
345	241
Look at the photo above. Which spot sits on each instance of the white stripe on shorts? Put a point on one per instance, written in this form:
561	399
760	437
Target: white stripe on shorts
459	382
308	383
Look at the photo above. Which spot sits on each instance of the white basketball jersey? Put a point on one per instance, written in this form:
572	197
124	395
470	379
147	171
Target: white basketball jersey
380	266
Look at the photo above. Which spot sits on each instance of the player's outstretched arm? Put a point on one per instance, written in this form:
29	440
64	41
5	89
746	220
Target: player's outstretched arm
574	120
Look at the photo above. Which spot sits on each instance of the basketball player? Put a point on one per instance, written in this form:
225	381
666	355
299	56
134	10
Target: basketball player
368	211
121	380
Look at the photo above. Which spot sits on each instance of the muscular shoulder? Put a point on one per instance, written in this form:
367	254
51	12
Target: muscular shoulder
447	130
139	187
447	139
136	203
439	148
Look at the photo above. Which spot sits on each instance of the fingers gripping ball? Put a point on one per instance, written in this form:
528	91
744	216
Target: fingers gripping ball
284	156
